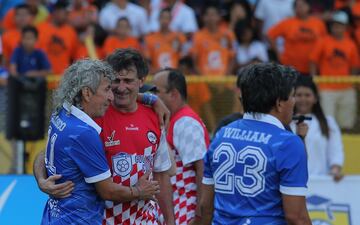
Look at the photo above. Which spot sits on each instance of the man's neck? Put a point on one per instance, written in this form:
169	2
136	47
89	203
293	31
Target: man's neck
177	107
127	109
164	30
121	4
212	29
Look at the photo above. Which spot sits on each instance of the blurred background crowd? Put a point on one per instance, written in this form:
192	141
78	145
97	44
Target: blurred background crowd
213	38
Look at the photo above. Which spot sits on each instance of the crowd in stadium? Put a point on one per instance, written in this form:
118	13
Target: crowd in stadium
214	38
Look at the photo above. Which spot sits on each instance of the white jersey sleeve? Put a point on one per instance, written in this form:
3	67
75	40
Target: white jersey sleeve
189	140
162	161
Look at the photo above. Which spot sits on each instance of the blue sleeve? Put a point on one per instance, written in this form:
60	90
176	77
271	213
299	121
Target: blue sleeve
89	155
45	64
208	177
15	56
291	163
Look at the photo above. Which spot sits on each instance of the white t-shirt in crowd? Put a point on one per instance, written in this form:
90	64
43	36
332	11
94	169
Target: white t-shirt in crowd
135	14
183	17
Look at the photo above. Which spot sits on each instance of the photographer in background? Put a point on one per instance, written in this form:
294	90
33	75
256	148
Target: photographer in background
321	134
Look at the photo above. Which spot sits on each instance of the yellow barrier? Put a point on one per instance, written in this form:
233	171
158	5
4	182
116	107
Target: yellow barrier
231	79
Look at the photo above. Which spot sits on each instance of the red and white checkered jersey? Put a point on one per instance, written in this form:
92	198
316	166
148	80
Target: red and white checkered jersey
132	147
189	139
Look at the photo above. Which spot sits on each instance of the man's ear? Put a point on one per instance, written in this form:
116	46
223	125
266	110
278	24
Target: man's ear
142	81
86	94
279	105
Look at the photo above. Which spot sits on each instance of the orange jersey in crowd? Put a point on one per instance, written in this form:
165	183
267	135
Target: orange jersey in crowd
335	58
59	43
300	38
82	52
10	40
164	50
112	43
213	51
83	15
8	21
343	3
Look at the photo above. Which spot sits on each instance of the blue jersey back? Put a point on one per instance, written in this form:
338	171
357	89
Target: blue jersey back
251	163
75	151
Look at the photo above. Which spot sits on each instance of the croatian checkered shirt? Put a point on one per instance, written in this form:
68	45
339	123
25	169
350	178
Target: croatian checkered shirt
189	140
133	145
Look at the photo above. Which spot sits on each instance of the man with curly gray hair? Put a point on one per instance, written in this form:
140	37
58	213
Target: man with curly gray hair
75	149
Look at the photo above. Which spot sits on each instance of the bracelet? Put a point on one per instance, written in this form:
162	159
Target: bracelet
149	99
138	190
131	192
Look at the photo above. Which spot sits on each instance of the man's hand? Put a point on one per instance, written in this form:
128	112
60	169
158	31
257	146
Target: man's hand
147	188
163	113
195	221
62	190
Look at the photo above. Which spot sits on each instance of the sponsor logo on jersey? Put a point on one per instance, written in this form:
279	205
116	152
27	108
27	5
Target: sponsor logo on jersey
324	211
132	127
122	164
111	141
151	136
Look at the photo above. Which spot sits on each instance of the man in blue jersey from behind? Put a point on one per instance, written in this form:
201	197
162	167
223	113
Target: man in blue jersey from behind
75	150
255	171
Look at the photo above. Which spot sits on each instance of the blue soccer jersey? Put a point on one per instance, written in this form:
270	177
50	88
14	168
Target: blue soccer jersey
75	151
251	163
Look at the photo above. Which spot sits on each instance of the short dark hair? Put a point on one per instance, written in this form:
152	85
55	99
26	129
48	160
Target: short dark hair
125	58
210	5
262	84
176	80
165	10
30	29
123	18
22	6
60	5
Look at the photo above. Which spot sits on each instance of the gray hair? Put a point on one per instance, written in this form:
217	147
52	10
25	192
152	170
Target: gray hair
83	73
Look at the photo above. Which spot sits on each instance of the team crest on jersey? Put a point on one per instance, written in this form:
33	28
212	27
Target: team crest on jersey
111	141
152	137
122	164
323	211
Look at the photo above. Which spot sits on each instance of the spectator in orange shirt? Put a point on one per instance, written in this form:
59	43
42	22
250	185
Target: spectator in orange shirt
122	37
82	14
213	48
58	39
336	55
341	4
165	47
98	35
355	11
39	12
11	38
300	33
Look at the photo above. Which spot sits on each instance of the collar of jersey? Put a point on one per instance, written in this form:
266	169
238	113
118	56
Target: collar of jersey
81	115
266	118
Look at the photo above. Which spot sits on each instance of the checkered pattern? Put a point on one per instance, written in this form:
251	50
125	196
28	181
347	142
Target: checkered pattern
189	139
137	212
184	191
189	145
